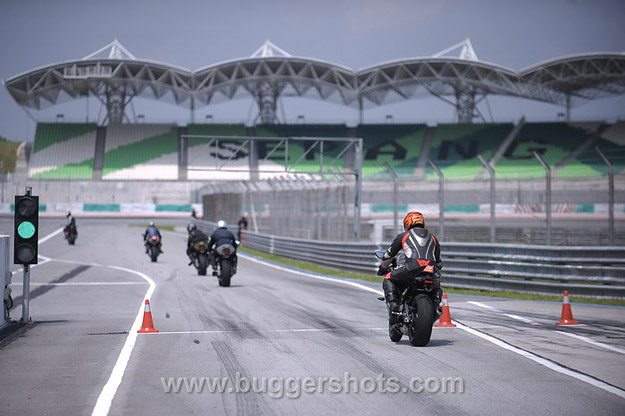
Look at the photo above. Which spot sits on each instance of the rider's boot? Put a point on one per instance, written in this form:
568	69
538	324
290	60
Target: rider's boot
438	298
392	302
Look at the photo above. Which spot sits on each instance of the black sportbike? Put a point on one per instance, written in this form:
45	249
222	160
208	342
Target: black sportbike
200	256
71	233
225	261
418	310
153	246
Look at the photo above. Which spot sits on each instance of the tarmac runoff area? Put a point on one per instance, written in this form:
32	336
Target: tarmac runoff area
319	344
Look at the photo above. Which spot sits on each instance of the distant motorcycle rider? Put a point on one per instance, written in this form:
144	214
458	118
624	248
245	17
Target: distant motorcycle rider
242	225
414	244
71	221
148	233
195	236
221	236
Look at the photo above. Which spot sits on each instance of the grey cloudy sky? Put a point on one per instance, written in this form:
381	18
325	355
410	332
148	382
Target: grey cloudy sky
356	34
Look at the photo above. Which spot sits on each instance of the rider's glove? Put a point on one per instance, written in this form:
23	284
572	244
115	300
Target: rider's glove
382	271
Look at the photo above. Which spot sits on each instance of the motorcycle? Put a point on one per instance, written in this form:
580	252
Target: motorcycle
153	244
225	258
71	233
417	311
199	256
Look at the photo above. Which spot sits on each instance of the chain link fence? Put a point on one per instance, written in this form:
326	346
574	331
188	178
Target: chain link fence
312	207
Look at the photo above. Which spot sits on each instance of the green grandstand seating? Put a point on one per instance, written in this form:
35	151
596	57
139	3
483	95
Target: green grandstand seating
589	163
455	148
201	158
141	151
63	151
398	144
554	141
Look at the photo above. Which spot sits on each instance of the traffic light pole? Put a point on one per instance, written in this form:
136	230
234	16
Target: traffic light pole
26	295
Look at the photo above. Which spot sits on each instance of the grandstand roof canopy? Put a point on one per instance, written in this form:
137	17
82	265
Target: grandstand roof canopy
114	71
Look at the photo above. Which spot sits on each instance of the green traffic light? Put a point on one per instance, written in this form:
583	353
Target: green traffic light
26	229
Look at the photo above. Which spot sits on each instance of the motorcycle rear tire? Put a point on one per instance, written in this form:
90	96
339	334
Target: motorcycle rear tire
202	264
421	329
153	254
225	274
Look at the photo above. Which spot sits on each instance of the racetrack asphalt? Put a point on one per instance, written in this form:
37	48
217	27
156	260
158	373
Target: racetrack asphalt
276	324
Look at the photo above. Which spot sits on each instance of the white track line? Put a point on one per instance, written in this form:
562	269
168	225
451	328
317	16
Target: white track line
480	304
509	315
313	276
539	360
103	405
45	259
544	362
83	284
107	394
593	342
520	318
49	236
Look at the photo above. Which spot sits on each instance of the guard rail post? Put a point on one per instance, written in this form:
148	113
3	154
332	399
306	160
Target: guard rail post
441	200
491	173
5	240
545	165
610	195
395	178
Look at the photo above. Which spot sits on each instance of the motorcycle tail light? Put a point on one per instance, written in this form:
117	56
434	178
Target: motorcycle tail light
226	252
154	238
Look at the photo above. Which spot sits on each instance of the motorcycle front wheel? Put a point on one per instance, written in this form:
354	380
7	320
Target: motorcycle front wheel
421	328
153	254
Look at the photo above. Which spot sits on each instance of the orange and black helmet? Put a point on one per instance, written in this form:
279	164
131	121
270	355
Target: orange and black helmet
413	219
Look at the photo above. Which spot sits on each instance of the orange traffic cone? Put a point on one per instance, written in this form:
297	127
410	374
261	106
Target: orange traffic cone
445	319
567	313
148	325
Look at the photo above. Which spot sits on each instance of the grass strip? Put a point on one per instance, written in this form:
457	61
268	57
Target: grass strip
164	227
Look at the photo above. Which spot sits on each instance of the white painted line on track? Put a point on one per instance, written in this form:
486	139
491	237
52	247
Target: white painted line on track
593	342
49	236
509	315
544	362
44	259
84	284
480	304
314	276
103	405
105	399
530	356
520	318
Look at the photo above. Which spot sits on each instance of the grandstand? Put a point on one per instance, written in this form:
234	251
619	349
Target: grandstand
141	151
63	151
118	148
67	151
204	154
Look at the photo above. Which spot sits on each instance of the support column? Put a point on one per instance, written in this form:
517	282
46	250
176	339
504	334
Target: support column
115	104
267	99
465	104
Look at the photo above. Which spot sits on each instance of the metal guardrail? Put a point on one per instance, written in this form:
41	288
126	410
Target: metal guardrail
588	271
